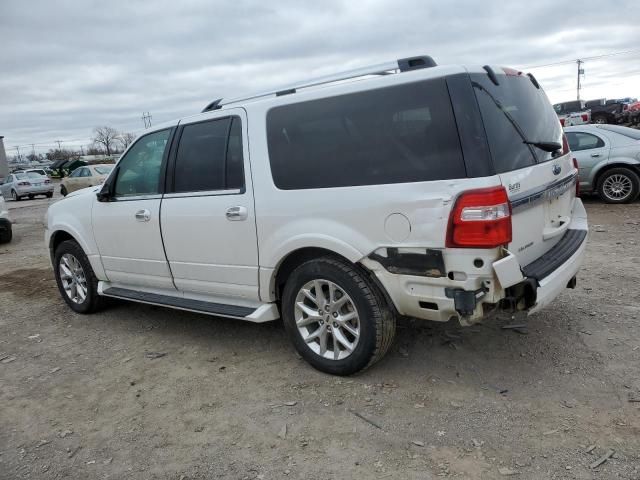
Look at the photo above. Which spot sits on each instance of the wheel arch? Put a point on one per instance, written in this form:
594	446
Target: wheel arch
630	163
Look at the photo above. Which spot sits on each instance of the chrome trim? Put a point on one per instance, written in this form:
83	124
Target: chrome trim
552	190
208	193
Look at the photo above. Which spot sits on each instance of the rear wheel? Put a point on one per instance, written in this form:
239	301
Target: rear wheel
50	194
600	119
76	280
6	234
31	197
15	196
619	185
63	191
335	317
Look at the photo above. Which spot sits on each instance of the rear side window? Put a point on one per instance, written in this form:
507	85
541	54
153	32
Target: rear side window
209	156
510	111
400	134
583	141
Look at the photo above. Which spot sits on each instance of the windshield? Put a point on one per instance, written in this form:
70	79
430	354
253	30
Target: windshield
103	170
34	175
20	176
513	112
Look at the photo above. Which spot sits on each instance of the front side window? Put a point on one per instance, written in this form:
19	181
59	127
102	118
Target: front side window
209	156
85	172
399	134
76	173
139	170
583	141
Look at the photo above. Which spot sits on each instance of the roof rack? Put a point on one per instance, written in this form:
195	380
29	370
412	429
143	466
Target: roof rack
402	65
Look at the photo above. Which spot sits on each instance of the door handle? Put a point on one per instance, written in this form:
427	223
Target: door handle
594	155
143	215
235	214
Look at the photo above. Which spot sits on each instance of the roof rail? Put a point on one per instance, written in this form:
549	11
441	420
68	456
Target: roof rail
401	65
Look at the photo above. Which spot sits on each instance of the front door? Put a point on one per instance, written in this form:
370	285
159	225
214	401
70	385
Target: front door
207	213
127	228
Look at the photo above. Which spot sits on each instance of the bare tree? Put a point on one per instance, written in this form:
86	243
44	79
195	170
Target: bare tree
126	139
105	136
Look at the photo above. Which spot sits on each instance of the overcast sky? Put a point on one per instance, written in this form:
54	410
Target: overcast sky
68	66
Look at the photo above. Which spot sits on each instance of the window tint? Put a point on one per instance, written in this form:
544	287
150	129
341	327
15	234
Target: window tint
20	176
583	141
209	156
515	100
399	134
34	175
139	169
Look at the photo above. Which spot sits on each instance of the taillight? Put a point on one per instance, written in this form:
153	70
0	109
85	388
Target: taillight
480	219
575	165
585	117
23	184
565	144
562	122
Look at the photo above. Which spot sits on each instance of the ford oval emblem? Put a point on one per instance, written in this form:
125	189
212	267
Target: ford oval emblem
557	169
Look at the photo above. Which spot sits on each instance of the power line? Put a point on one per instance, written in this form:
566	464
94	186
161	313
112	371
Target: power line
594	57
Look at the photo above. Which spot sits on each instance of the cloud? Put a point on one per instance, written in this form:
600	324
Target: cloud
68	66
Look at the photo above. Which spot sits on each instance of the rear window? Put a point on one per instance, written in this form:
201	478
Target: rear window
515	104
399	134
620	130
103	170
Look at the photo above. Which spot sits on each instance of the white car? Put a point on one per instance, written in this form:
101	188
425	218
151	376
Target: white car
405	188
6	231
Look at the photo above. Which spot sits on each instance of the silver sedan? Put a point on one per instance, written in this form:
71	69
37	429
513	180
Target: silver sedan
608	159
26	184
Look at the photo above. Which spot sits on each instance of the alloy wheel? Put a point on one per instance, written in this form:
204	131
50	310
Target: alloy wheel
73	278
617	187
327	319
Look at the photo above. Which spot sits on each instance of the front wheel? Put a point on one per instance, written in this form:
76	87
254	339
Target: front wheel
335	317
619	185
76	281
63	191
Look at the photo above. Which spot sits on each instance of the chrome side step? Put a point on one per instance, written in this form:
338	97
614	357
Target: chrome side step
188	304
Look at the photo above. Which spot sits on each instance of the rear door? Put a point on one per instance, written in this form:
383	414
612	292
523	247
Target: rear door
208	215
589	149
540	184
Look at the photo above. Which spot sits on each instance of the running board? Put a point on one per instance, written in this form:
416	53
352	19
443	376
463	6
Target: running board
263	313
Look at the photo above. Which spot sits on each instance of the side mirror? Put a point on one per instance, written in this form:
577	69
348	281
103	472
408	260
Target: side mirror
107	191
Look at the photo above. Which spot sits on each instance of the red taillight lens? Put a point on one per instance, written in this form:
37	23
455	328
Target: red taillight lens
565	145
23	184
562	122
575	165
480	219
585	117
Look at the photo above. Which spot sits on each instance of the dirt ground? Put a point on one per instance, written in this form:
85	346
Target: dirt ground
81	398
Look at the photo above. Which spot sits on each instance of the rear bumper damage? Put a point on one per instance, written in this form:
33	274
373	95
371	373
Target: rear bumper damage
420	286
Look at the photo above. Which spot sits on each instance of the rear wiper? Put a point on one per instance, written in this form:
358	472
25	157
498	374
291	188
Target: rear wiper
546	146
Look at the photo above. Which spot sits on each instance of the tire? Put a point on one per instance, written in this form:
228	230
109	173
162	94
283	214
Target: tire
50	194
6	235
15	196
599	119
31	197
63	191
374	321
64	254
620	179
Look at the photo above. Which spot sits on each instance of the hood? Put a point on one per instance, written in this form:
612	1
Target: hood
85	191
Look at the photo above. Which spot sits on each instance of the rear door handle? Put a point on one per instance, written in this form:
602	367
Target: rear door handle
236	214
143	215
594	155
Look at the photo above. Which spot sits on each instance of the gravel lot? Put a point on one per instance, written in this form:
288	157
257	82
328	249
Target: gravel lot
81	398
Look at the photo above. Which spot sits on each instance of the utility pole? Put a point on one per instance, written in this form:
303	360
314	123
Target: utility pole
146	118
19	157
580	72
58	142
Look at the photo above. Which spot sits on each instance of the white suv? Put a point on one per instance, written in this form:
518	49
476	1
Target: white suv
434	192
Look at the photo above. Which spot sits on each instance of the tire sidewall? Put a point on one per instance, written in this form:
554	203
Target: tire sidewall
70	246
325	270
635	182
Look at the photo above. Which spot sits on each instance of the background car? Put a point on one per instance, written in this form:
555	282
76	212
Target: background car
608	160
5	222
26	184
83	177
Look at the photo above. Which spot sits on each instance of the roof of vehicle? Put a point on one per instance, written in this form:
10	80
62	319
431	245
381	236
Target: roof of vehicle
616	133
